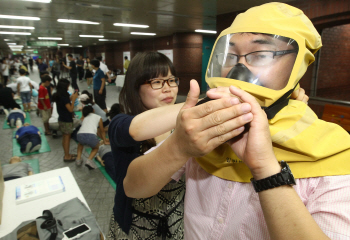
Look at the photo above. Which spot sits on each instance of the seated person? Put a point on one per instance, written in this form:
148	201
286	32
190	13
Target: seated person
6	98
16	169
14	115
29	138
113	76
106	159
87	98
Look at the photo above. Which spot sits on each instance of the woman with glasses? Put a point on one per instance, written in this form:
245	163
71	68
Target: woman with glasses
150	83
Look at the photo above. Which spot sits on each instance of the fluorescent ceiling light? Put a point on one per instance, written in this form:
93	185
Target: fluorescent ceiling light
63	44
49	38
16	27
30	50
77	46
41	1
205	31
92	36
17	46
11	43
7	40
108	40
77	21
142	33
16	33
19	17
130	25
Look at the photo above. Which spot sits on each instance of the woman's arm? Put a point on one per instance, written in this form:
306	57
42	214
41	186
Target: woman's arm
154	122
103	134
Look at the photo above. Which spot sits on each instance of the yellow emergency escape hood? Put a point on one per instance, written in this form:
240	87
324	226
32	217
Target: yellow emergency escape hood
312	147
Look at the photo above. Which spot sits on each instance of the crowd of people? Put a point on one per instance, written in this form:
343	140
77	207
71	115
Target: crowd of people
220	167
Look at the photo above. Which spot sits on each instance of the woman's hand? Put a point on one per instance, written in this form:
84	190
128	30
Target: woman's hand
200	129
300	95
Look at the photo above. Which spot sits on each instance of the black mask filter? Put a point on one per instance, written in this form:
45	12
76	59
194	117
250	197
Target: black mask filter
242	73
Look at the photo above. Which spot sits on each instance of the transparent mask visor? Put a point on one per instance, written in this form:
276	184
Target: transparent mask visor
262	59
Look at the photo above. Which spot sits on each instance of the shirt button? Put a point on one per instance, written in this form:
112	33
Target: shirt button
221	220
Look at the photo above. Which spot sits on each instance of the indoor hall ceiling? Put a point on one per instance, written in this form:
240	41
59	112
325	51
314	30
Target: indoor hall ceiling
164	18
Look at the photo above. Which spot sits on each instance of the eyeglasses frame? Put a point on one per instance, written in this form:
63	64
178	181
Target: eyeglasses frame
164	80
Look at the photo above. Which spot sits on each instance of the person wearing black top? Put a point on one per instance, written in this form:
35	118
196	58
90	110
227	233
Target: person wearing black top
72	71
6	98
31	63
65	106
80	65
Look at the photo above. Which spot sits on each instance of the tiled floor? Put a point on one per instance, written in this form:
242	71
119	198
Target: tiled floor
97	191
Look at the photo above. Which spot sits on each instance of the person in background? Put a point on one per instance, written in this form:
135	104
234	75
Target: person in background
51	61
72	71
24	88
44	104
126	63
65	106
7	98
15	118
31	63
41	66
106	159
28	137
16	169
99	82
87	135
80	69
5	68
56	70
104	68
88	72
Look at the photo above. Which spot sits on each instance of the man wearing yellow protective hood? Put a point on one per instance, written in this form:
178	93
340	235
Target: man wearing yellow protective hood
241	183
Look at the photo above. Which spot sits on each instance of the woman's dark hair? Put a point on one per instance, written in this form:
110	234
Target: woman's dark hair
114	111
61	90
95	62
87	110
91	98
143	67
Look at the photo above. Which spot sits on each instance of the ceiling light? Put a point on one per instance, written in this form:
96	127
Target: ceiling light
103	7
16	27
7	40
77	21
130	25
92	36
19	17
11	43
108	40
142	33
41	1
63	44
205	31
16	33
49	38
17	46
77	46
29	50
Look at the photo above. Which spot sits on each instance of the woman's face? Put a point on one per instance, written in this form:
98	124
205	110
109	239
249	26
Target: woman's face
153	98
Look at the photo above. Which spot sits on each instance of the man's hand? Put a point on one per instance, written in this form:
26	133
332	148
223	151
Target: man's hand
100	91
200	129
254	146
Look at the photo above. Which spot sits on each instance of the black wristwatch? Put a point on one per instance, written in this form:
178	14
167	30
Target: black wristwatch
285	177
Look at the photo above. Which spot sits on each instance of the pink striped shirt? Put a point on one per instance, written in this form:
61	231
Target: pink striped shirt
224	210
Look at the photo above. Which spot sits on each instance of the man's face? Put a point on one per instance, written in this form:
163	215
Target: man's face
70	58
40	61
276	73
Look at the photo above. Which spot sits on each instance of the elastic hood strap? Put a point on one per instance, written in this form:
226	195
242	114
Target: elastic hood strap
274	108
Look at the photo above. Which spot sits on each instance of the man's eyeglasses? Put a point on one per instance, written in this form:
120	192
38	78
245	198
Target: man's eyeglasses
159	83
255	59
